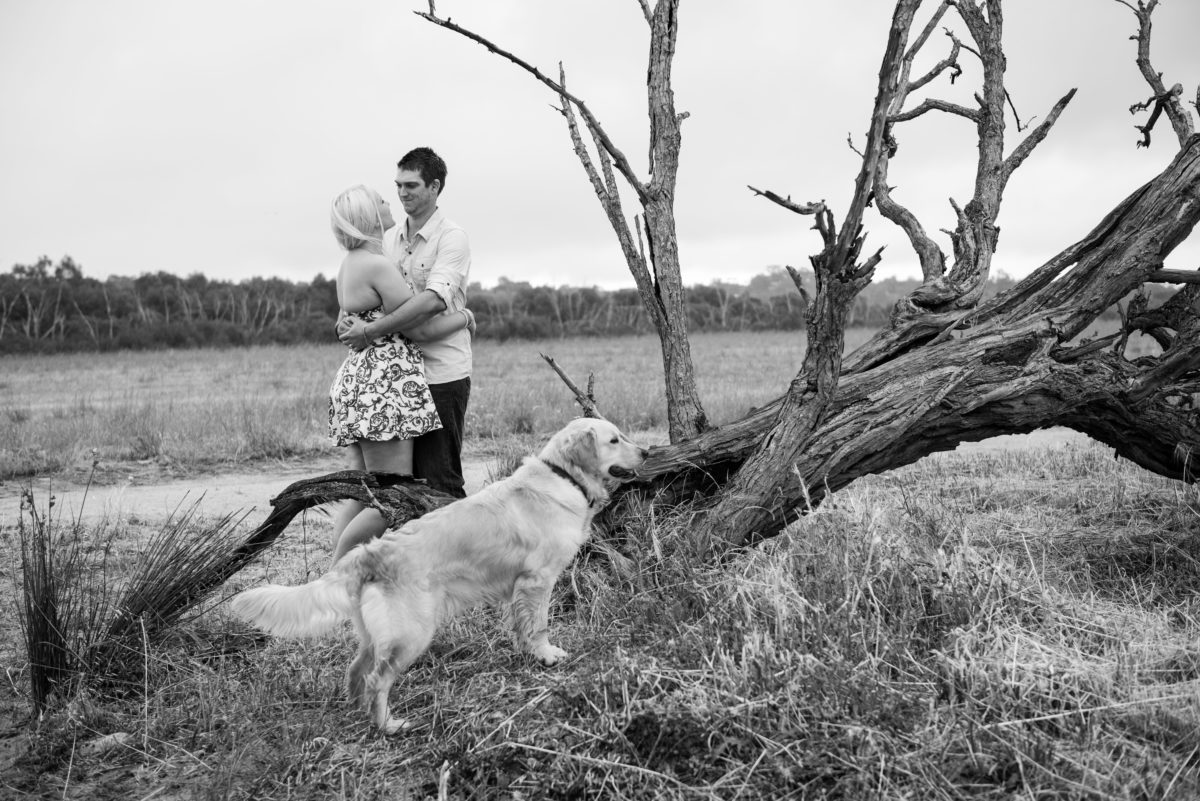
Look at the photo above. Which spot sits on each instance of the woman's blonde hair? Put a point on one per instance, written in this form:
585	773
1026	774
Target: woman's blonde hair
355	217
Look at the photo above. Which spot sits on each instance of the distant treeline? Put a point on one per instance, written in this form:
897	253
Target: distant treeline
47	307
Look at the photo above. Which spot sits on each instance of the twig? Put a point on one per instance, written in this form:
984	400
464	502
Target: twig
1160	103
798	280
1082	711
788	203
1020	126
607	763
587	401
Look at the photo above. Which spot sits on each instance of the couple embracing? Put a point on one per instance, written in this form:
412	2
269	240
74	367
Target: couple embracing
399	400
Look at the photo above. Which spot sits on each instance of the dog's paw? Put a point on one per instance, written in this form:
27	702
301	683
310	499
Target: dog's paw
550	654
395	726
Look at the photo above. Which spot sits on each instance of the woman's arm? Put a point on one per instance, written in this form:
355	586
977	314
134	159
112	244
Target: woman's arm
389	284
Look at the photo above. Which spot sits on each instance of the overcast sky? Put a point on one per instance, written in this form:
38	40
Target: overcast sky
145	135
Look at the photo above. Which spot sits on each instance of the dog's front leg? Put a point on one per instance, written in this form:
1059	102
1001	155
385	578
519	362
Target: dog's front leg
530	613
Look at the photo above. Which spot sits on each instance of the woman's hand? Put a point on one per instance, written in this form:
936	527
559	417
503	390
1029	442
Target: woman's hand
353	333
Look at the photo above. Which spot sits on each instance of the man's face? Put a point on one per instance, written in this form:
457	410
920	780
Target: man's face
415	195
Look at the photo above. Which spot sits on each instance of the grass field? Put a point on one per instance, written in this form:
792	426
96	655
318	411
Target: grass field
984	624
200	408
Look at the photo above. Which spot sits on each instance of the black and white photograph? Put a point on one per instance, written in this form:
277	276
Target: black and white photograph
600	399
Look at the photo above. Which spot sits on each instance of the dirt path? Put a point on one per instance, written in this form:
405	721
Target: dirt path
144	492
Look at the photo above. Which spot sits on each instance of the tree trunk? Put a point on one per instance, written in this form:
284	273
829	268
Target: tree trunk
685	412
658	277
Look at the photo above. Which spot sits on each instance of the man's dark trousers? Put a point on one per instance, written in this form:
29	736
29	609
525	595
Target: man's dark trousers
437	456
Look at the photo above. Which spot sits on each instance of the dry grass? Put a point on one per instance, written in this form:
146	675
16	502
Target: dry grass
195	409
932	633
1020	624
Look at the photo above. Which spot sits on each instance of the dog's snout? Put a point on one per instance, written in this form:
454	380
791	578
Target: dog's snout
644	453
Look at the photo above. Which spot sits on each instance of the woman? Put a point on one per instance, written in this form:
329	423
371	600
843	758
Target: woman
379	400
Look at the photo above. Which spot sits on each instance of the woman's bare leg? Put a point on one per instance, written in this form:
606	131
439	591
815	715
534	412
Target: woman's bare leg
348	509
389	456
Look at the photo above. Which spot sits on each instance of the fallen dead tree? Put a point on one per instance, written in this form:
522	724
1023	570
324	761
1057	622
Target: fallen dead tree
947	368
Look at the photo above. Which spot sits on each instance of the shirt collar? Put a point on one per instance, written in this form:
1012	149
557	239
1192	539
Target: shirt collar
427	230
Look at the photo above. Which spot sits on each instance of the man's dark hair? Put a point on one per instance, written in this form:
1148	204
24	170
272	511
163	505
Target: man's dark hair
428	164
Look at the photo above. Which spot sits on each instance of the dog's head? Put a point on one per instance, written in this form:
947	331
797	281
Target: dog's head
596	447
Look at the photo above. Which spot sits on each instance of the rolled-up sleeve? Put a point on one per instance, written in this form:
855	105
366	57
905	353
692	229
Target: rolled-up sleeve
448	276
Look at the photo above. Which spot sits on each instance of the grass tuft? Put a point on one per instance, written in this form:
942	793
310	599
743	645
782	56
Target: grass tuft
87	619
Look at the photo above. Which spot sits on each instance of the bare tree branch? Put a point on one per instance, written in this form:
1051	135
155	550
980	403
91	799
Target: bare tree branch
1163	99
919	41
1174	277
1159	103
964	46
623	165
603	187
798	281
654	263
850	144
604	184
758	495
586	400
890	75
950	62
788	203
933	104
931	257
645	4
1034	139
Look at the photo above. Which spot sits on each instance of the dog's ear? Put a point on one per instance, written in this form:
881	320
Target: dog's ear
581	449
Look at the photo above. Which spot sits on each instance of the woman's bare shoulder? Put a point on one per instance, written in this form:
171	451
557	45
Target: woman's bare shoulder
362	280
365	260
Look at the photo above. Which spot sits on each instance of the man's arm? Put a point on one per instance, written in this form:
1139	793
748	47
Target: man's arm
424	306
448	276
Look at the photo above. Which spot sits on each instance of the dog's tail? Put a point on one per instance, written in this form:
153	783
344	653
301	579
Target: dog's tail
307	610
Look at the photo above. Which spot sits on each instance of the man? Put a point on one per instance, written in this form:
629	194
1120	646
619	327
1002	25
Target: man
433	253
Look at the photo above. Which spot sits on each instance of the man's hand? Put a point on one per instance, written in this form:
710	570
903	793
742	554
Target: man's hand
352	333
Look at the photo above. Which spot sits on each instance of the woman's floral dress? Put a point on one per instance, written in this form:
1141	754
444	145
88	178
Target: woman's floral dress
380	392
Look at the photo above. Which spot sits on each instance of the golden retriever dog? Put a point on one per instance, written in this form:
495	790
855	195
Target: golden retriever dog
506	545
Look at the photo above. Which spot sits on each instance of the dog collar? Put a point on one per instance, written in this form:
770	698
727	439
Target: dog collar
558	471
